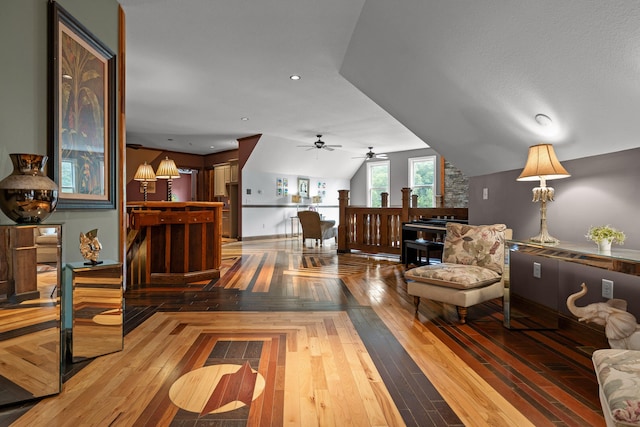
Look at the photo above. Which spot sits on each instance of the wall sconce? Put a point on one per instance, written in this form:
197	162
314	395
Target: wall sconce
542	164
168	170
145	175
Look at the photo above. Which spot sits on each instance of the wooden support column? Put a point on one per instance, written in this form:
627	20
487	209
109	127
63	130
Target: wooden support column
384	200
343	203
406	196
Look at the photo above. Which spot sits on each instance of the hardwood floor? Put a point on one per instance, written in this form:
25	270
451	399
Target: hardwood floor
298	335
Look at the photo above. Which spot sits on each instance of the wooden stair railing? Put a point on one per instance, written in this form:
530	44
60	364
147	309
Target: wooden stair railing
379	230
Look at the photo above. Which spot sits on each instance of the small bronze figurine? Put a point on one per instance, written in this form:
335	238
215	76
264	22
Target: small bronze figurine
90	247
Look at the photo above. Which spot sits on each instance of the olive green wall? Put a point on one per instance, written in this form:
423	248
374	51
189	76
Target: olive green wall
23	101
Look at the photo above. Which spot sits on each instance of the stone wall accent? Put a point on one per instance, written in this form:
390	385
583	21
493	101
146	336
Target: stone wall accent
456	187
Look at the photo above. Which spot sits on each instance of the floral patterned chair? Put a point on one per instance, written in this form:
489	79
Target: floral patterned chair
471	272
618	374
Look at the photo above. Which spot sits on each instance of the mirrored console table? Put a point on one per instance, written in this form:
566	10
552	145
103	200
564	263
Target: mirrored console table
29	311
92	309
534	302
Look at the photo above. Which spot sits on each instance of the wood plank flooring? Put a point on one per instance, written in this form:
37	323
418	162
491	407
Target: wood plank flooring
316	338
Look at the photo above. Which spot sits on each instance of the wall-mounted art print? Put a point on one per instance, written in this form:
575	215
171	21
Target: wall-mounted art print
82	93
322	189
303	187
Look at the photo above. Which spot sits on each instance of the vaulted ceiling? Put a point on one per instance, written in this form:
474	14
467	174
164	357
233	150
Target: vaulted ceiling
465	77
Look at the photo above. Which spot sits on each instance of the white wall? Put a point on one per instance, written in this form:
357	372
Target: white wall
264	213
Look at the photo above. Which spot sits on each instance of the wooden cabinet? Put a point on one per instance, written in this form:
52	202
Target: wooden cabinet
18	264
233	165
226	223
30	311
222	176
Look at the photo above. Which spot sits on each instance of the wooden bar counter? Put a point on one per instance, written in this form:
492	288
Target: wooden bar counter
173	242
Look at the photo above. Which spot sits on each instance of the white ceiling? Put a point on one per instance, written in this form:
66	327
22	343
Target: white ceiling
466	76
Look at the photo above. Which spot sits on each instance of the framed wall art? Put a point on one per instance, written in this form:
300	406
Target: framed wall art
82	114
303	187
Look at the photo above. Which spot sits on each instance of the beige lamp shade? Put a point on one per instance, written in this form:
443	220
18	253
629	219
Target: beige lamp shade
167	169
542	163
145	173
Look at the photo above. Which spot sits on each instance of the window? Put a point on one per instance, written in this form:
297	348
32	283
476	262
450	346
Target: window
377	182
422	180
68	176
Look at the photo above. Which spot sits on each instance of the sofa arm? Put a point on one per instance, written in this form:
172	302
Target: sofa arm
618	374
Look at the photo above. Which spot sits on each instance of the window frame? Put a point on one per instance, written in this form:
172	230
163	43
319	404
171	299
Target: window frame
370	188
411	179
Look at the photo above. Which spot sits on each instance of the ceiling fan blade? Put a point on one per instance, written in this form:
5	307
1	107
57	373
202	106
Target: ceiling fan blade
333	146
327	147
381	156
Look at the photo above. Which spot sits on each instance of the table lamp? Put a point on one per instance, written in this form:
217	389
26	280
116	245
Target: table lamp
145	175
168	170
542	164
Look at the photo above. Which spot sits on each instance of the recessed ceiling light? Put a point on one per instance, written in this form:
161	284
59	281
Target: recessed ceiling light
543	120
212	146
294	77
244	119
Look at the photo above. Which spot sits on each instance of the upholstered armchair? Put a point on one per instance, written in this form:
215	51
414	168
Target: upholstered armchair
315	228
471	272
47	242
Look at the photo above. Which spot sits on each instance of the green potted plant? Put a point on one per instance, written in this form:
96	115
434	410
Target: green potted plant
604	236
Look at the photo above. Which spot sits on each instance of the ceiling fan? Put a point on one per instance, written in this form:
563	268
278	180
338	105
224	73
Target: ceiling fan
371	155
320	145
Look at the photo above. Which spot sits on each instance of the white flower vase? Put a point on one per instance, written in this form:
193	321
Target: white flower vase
604	246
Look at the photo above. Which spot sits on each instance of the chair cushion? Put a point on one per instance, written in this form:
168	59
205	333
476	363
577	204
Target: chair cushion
618	374
457	276
481	245
47	231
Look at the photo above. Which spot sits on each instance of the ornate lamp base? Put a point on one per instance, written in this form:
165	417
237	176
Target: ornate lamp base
544	237
542	194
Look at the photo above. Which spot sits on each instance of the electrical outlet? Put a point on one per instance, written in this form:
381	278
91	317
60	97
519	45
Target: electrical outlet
607	288
485	194
537	270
